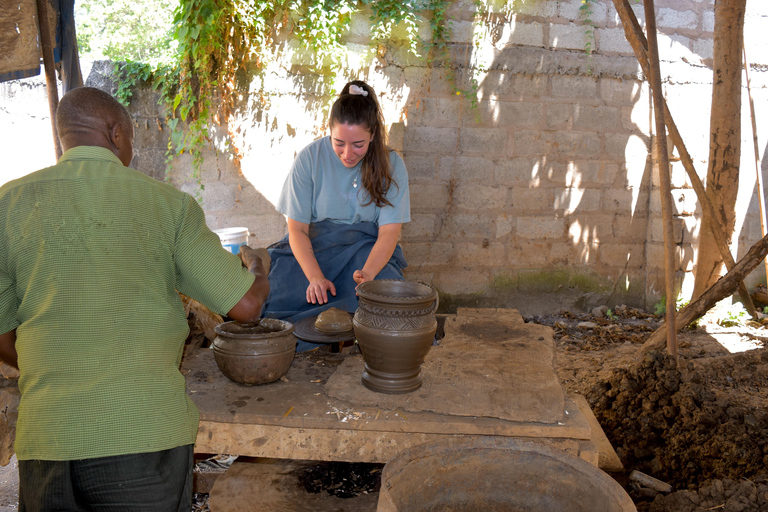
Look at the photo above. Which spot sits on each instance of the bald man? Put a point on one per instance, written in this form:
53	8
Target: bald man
92	257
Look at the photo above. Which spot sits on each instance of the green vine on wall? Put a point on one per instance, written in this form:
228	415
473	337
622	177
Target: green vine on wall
219	39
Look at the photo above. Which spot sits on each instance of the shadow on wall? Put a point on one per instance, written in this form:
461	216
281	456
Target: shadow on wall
229	198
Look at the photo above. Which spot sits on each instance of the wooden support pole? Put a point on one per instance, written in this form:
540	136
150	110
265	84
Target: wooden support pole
639	45
662	159
50	72
724	286
760	190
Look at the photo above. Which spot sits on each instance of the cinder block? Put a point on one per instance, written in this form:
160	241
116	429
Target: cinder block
497	84
619	200
483	254
425	255
518	171
564	254
619	92
613	40
530	86
528	254
691	229
434	112
429	196
504	225
531	143
657	229
559	116
567	36
595	118
461	31
506	114
579	144
629	227
531	199
218	197
421	166
570	86
462	282
672	18
708	21
622	255
488	141
395	136
467	168
479	197
636	119
475	226
575	199
571	10
522	33
430	140
422	226
704	48
543	9
538	227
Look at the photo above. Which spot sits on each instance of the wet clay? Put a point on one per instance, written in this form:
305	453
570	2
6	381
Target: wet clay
395	326
333	320
254	354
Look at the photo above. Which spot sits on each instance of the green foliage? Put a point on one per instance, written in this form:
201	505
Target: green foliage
196	56
610	314
735	315
660	308
116	29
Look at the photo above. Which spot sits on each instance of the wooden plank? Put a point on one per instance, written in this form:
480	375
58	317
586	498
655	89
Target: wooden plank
608	460
339	445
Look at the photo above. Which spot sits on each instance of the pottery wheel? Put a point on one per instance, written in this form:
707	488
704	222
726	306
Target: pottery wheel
305	330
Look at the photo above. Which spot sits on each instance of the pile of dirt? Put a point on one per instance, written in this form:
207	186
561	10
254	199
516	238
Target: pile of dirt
702	428
705	421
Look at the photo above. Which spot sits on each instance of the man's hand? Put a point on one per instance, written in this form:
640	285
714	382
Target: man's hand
255	260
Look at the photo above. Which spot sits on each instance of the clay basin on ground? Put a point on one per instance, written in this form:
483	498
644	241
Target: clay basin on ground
254	354
496	475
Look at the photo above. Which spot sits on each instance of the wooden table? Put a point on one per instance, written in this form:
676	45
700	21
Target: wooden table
299	417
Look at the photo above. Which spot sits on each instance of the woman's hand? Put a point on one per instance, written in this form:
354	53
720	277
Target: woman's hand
317	291
361	276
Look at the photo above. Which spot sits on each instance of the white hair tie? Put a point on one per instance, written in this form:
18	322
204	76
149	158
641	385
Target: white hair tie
357	91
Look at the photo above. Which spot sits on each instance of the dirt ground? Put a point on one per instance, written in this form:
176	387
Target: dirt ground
702	427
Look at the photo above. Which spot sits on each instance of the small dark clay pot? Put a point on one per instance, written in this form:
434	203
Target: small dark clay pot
257	354
395	326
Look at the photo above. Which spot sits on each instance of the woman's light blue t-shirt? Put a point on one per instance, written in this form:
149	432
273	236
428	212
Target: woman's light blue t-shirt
319	187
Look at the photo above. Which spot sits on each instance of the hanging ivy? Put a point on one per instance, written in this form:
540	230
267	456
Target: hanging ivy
219	39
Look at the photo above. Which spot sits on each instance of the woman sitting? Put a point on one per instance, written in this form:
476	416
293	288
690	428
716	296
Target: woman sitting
345	200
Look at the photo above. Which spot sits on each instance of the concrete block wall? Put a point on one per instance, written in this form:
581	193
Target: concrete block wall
533	187
539	193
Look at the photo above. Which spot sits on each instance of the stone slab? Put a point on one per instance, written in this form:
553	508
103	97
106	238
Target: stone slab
295	418
488	365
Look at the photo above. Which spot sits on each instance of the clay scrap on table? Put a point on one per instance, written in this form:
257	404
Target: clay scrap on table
513	378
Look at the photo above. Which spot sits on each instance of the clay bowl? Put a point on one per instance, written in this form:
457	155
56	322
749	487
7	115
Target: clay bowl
500	475
254	354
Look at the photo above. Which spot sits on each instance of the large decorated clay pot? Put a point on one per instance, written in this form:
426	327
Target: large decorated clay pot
254	354
395	326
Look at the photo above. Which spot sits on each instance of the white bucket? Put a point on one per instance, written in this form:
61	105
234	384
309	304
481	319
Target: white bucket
232	238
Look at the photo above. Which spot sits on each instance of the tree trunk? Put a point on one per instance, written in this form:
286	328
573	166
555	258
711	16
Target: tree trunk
725	138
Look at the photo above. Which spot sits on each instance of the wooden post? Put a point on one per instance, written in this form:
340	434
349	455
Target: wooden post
665	180
760	191
50	72
639	45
